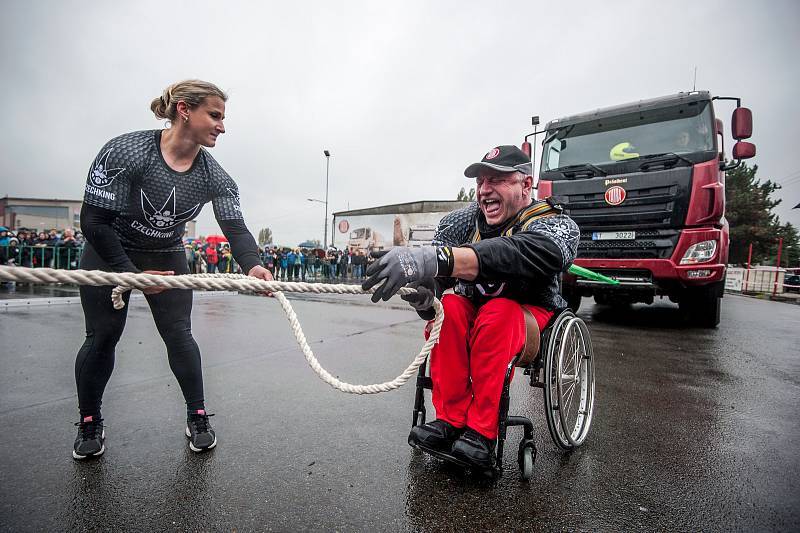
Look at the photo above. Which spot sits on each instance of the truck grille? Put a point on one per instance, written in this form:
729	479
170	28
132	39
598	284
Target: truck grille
654	200
650	244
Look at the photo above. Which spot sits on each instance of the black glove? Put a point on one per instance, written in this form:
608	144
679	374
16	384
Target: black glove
422	300
399	267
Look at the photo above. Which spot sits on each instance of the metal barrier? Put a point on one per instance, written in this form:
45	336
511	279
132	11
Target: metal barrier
69	258
321	272
33	256
762	280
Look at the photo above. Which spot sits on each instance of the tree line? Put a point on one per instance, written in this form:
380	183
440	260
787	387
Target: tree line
749	211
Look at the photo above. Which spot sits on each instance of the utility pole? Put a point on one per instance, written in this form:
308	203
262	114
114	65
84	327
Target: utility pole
327	168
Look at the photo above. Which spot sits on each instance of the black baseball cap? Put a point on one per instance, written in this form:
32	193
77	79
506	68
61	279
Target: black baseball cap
506	158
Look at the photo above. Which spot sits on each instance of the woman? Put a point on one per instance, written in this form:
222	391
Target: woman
226	265
212	258
43	255
284	262
141	189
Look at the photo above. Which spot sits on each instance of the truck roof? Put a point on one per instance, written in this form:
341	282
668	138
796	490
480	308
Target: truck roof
641	105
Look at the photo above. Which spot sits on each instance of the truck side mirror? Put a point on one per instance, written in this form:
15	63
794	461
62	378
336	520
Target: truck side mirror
742	123
744	150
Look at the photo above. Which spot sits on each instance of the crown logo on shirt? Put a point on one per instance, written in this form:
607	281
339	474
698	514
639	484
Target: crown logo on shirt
100	175
166	217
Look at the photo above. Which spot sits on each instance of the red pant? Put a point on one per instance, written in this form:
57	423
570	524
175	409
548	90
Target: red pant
469	362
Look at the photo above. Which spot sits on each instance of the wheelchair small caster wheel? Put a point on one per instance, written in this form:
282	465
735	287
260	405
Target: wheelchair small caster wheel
527	457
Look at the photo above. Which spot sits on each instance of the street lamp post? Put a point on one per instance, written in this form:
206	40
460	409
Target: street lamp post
327	167
325	227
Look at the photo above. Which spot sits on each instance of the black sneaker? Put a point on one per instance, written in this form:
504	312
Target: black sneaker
437	435
198	429
91	438
475	449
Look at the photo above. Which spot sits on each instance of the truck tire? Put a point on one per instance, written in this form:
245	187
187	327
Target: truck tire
701	306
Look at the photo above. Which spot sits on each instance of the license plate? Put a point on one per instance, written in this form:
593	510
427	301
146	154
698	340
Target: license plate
613	235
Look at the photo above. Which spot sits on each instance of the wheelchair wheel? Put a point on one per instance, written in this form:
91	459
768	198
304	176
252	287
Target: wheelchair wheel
527	458
569	381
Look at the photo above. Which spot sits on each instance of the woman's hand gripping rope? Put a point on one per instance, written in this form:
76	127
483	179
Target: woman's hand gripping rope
236	282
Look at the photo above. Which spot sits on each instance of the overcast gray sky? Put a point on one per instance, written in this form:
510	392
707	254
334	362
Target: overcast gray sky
404	94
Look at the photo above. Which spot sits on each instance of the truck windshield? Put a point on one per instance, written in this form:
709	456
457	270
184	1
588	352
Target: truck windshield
680	129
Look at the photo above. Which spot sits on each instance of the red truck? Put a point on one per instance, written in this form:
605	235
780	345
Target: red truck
645	183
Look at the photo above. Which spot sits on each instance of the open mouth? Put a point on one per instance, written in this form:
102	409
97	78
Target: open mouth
490	207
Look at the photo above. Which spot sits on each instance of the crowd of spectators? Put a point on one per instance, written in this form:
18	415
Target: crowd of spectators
301	264
62	249
286	264
36	249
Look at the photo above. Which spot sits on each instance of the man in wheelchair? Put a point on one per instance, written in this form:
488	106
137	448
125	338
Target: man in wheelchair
502	257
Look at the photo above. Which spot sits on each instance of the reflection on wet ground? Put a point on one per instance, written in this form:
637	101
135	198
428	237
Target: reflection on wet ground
9	290
694	429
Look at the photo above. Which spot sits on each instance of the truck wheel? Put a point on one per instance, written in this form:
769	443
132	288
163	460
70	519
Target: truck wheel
701	307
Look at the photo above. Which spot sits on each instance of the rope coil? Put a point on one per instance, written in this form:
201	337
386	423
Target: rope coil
125	281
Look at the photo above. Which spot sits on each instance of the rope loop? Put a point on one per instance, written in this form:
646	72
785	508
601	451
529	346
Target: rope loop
125	281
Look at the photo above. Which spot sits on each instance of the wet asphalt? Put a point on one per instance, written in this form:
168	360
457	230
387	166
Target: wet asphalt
694	429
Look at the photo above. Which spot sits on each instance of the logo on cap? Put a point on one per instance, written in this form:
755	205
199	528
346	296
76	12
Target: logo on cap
491	154
615	195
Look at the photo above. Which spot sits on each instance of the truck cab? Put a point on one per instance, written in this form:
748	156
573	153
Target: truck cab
421	234
366	239
645	182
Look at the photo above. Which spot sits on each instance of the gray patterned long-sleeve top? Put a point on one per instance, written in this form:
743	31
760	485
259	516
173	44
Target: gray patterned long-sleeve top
146	204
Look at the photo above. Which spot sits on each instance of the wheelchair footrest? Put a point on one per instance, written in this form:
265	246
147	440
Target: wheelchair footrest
453	460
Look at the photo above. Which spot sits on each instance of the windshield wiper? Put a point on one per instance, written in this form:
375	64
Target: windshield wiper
666	155
574	171
560	131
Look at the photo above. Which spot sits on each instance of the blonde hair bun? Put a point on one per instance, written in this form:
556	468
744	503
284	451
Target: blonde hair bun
193	92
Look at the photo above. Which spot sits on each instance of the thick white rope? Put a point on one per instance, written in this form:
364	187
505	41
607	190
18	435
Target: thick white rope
124	281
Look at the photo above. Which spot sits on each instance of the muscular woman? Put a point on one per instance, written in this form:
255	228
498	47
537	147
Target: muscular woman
141	189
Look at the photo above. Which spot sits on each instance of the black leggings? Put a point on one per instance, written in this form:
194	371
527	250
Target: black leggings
172	314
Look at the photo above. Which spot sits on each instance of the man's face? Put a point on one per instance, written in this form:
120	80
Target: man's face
502	194
682	140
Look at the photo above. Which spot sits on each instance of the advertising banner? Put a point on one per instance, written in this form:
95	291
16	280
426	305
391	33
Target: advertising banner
380	232
733	279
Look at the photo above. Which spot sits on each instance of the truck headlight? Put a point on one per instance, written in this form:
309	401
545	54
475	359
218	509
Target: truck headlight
701	252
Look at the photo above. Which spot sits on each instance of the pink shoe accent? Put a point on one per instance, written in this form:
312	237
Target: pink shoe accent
87	418
201	411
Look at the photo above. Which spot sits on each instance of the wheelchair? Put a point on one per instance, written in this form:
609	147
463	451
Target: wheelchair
565	355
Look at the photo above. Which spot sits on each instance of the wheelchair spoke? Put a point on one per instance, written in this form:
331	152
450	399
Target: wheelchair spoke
570	393
569	390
